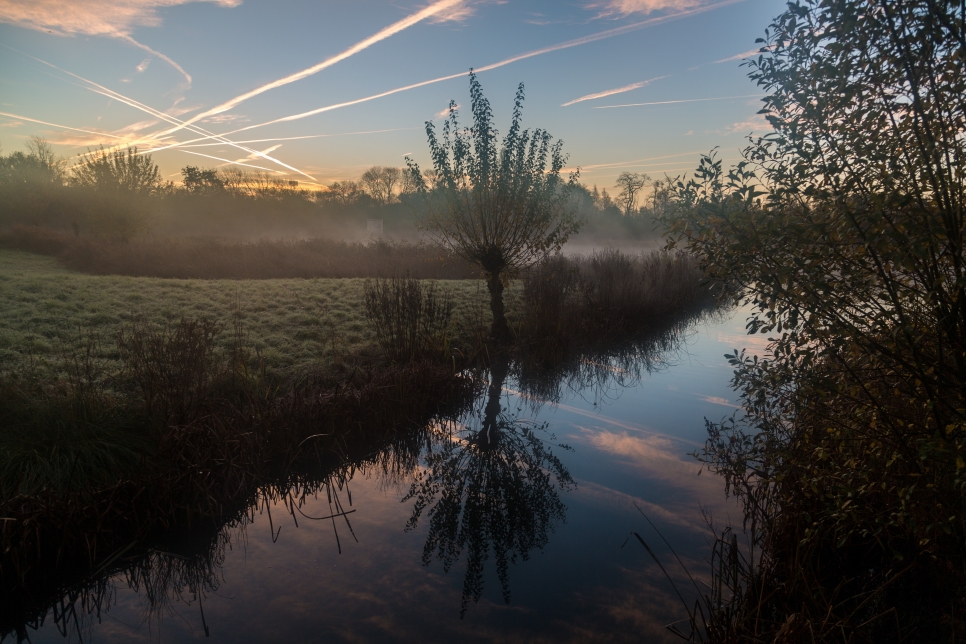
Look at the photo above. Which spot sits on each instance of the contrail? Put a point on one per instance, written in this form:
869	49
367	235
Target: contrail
131	41
104	91
690	100
391	30
64	127
227	162
296	138
537	52
170	119
611	92
633	161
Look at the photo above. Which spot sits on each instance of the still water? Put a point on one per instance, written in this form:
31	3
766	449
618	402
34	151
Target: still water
507	523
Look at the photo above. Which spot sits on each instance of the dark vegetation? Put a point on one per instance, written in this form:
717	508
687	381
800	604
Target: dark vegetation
845	231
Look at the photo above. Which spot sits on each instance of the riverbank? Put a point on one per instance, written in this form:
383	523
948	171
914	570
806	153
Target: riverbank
135	405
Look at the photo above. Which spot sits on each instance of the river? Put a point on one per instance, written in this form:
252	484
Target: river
509	522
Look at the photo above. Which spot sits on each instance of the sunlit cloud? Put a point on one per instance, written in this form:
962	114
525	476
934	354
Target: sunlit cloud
143	66
758	124
444	113
624	8
106	18
432	10
688	100
610	33
12	124
611	92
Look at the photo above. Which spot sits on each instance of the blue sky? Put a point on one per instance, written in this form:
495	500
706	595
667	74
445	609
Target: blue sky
123	72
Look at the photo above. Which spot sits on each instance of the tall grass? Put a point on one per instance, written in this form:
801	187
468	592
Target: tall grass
410	319
606	294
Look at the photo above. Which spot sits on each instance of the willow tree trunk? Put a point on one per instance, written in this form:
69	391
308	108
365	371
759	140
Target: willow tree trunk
500	330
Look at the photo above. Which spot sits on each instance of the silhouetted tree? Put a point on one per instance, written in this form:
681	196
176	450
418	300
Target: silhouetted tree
630	184
201	182
503	207
380	182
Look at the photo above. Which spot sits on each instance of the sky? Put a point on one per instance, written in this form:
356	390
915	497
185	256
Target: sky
319	91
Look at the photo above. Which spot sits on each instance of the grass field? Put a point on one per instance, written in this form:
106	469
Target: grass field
295	324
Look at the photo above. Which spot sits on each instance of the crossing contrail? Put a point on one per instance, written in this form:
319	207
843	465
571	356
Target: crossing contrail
610	33
396	27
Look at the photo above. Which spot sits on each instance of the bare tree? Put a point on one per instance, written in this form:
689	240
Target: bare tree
380	182
345	192
503	207
630	183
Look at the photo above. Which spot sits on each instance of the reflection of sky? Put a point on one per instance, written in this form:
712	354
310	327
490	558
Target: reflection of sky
630	450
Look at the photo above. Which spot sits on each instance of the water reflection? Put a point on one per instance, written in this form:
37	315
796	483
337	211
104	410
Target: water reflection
487	483
490	484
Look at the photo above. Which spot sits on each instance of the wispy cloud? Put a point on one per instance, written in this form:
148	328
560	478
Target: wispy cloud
610	33
143	66
444	113
624	8
611	92
12	124
687	100
107	18
435	9
758	124
222	119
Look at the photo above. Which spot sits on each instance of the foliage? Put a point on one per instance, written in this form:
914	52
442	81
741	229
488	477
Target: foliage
200	181
501	206
845	231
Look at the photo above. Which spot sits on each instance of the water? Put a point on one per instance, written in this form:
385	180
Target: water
514	530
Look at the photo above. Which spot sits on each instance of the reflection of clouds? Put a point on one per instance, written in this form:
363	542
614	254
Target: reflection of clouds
717	400
654	456
757	343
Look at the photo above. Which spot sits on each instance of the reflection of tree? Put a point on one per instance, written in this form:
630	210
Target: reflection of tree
494	486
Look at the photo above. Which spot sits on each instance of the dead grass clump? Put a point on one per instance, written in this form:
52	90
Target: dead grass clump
411	320
172	367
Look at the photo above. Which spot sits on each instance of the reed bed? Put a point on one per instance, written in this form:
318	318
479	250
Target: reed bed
209	258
